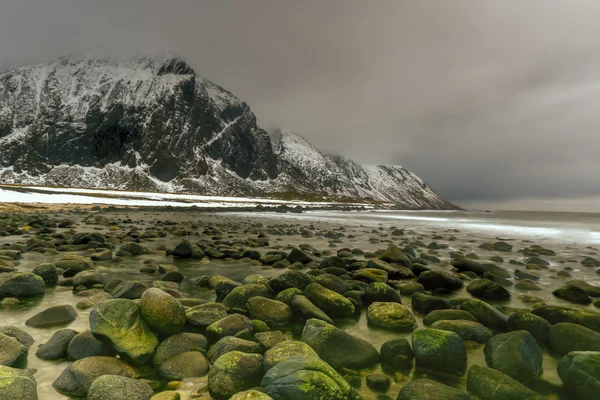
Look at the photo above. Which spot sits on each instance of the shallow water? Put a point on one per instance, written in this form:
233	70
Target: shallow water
571	235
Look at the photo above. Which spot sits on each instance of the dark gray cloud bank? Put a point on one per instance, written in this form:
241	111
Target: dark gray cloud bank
495	103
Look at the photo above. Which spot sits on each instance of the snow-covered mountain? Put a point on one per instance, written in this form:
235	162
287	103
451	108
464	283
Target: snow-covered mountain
150	123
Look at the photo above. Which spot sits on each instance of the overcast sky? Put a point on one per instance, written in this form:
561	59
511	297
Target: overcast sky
495	103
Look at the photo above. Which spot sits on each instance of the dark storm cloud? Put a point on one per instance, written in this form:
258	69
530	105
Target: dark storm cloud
489	101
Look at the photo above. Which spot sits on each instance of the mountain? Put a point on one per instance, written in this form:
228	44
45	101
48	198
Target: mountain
150	123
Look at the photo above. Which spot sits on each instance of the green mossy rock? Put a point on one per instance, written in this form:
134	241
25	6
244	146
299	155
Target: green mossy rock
234	372
432	280
306	378
178	343
439	351
114	387
424	304
580	373
21	285
251	395
515	354
10	350
566	337
333	304
285	296
304	308
488	290
555	314
338	348
189	364
538	327
291	279
77	378
274	313
397	353
371	275
448	315
467	330
486	314
204	315
427	389
239	296
284	351
53	316
491	384
391	316
232	343
17	384
118	322
162	312
381	292
229	326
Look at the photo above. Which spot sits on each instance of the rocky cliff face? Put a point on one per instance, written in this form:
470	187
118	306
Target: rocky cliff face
150	123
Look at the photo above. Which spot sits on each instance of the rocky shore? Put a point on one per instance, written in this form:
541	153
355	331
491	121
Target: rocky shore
136	305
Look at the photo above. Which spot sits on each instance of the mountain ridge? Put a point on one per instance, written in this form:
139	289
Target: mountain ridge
149	122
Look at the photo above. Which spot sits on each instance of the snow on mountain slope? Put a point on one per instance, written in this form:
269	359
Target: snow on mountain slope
304	167
149	123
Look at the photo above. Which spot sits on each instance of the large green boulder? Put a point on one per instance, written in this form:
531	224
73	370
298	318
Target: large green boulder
486	314
448	315
239	296
424	304
304	308
515	354
555	314
432	280
378	291
189	364
53	316
427	389
56	347
580	373
17	384
77	378
284	351
115	387
467	330
251	395
229	326
306	378
439	351
393	254
135	249
48	272
204	315
464	264
274	313
333	304
10	350
566	337
372	274
234	372
162	312
232	343
21	285
291	279
488	290
537	326
491	384
118	322
73	264
177	344
391	316
337	347
397	353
